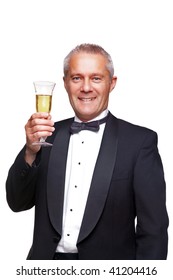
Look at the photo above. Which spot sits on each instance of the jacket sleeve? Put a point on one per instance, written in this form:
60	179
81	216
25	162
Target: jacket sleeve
21	184
150	197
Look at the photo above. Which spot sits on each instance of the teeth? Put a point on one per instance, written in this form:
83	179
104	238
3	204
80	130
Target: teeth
86	99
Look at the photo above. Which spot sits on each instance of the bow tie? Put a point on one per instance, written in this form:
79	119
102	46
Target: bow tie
92	126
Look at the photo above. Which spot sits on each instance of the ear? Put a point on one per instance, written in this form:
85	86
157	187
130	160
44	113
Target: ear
64	82
113	83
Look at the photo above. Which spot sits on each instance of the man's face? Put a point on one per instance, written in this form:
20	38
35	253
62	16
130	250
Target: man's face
88	85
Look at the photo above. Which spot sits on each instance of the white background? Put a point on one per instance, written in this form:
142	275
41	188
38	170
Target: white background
35	36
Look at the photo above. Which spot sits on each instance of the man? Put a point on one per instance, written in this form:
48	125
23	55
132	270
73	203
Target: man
97	194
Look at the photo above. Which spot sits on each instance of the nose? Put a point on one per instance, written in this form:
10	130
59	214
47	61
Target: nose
86	86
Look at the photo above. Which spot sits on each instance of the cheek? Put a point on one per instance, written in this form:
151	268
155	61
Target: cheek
74	100
104	98
72	91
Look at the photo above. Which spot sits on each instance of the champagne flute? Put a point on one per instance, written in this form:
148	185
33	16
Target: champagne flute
43	91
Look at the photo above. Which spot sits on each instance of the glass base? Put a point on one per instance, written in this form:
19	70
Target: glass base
43	144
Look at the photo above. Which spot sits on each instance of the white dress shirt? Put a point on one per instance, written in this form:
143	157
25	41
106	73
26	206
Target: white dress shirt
82	155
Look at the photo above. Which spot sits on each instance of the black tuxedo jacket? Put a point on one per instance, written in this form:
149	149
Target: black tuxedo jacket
125	215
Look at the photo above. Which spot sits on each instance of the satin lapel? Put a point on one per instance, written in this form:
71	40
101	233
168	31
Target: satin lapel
56	174
101	178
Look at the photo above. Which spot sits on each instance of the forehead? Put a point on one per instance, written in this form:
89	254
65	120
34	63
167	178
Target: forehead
87	62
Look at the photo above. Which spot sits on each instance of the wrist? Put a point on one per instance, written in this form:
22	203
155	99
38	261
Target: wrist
30	155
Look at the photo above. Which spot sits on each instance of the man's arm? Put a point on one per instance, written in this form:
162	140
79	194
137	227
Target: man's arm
150	197
20	185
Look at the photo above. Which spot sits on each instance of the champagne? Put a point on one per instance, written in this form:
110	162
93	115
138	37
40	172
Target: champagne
43	103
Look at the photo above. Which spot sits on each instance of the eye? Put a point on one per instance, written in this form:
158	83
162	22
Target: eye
76	78
96	79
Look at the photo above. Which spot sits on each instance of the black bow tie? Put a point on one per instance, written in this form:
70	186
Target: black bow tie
92	126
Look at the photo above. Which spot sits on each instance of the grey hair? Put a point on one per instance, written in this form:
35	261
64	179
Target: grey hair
92	49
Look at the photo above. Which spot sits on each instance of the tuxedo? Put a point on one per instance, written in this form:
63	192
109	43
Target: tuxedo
125	215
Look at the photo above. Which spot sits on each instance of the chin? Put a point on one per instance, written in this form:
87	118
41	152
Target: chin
86	117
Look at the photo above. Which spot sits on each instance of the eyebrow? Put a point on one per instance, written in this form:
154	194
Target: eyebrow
81	74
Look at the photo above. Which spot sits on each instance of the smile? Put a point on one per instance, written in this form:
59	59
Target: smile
87	99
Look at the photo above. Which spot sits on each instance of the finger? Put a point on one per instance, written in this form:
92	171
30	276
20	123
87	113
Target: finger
32	136
41	127
44	122
40	115
37	135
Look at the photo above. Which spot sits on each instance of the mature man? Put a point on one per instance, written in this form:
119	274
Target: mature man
99	192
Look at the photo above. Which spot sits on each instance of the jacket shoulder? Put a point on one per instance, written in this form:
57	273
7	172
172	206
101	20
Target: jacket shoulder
128	127
132	133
